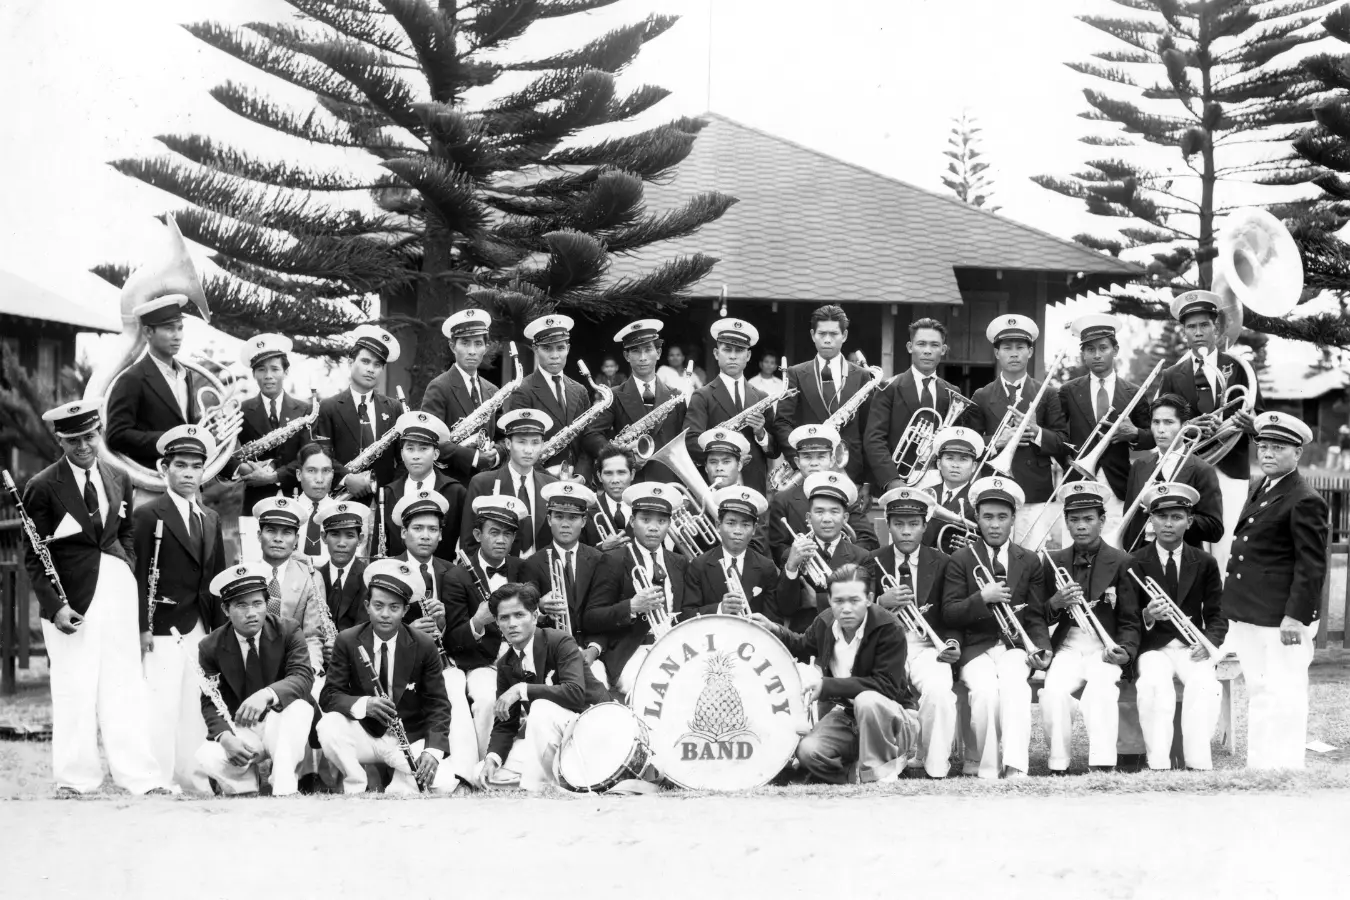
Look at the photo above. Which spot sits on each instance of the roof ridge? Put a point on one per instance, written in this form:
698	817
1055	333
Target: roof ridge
899	181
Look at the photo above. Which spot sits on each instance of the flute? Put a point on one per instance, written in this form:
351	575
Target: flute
395	724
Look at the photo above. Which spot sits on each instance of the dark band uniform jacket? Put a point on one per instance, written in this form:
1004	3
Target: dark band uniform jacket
890	411
1180	379
560	676
419	690
1278	563
503	481
791	504
707	583
462	600
958	502
141	407
612	624
185	568
963	608
1077	401
454	494
797	601
1031	464
339	428
591	535
1108	577
285	459
927	589
595	579
628	408
810	408
448	399
1207	522
712	405
537	392
50	496
285	668
348	607
438	570
1200	591
879	665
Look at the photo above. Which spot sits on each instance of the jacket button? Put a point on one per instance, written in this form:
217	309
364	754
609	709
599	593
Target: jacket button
1241	558
1250	521
1239	576
1244	539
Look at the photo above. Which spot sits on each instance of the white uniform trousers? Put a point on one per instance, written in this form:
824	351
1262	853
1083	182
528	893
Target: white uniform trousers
285	738
1200	704
1115	512
937	707
1078	664
543	733
177	728
472	694
1000	708
628	677
1034	522
350	747
1234	493
97	686
1277	693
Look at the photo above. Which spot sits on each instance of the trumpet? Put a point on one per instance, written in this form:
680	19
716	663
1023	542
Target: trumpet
1016	423
910	615
604	525
734	586
396	729
1006	614
814	568
919	439
1170	460
1081	609
659	621
1191	636
557	573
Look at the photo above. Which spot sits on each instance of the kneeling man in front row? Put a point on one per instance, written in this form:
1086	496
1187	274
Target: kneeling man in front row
259	665
860	649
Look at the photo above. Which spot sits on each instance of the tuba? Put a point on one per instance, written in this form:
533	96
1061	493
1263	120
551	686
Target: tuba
172	273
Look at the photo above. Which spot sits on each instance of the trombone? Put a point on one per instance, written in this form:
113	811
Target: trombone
557	573
1187	439
814	568
911	615
1006	614
919	439
1081	609
1191	636
1089	456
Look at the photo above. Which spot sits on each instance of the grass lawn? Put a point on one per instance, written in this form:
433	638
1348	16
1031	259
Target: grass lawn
25	766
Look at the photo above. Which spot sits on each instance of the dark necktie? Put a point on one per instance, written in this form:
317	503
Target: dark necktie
1204	395
426	581
906	573
1082	568
384	668
474	394
658	573
526	522
312	532
620	522
1011	392
1103	403
827	386
253	673
335	595
996	568
274	595
91	494
272	422
367	432
926	395
1171	578
561	394
195	529
569	578
648	398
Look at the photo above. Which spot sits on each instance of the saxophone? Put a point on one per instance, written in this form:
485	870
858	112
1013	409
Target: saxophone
637	437
371	455
566	435
742	418
480	420
785	477
255	449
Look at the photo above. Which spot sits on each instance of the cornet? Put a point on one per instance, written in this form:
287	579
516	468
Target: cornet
910	615
557	573
814	568
734	586
1190	635
1006	614
955	527
1080	609
659	621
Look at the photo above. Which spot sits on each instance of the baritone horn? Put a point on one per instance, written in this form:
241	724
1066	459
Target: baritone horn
918	442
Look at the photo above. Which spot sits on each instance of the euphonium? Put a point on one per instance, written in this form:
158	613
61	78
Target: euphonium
1169	460
569	433
918	442
637	437
172	273
479	422
957	531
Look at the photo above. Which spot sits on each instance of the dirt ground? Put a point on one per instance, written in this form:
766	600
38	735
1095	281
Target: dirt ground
1136	846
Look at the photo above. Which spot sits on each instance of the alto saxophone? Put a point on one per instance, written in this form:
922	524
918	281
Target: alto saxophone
836	420
637	437
566	435
371	455
742	418
480	420
275	438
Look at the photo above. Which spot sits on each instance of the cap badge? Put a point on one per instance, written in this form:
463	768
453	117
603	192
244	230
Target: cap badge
260	344
745	495
567	489
1077	488
192	430
656	492
737	325
526	414
385	337
242	570
1274	418
281	501
1012	320
834	479
421	417
422	495
342	507
404	570
811	430
998	483
548	321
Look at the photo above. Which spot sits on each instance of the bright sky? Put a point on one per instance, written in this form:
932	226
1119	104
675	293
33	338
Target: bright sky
873	82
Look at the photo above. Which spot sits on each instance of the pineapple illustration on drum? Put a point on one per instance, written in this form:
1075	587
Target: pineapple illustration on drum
719	714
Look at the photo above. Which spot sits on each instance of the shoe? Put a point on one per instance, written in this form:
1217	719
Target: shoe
312	784
1101	768
1010	773
69	793
158	792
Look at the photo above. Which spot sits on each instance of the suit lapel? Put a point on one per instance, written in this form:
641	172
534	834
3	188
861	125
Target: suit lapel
460	394
255	415
72	499
927	564
1190	562
540	654
1103	573
585	564
1014	565
112	488
232	661
347	412
908	388
210	522
543	391
403	664
174	524
723	397
160	388
1258	503
630	400
270	650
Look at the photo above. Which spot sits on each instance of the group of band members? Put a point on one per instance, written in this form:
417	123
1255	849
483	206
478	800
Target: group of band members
413	613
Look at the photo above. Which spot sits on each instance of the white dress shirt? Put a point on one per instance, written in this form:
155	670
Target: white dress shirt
1163	555
91	474
176	377
732	385
369	398
412	486
516	479
918	384
845	651
913	568
836	367
1001	555
608	504
335	572
1208	361
359	707
639	384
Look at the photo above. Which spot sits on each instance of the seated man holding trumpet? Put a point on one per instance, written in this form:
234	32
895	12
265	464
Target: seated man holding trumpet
1098	637
815	448
1183	627
909	585
732	577
992	586
803	586
652	587
1174	460
951	522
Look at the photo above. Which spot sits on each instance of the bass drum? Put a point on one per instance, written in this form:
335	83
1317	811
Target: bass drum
604	746
722	701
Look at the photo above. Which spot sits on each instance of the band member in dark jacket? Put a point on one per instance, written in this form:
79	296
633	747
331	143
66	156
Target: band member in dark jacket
990	574
918	387
543	670
1189	577
422	433
550	390
520	477
822	385
265	355
191	553
92	634
860	650
1272	595
360	715
643	393
732	578
919	573
158	392
343	574
1099	586
802	588
1168	413
259	664
729	394
958	448
815	448
354	419
460	390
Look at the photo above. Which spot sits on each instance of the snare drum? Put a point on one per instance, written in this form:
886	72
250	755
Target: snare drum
603	746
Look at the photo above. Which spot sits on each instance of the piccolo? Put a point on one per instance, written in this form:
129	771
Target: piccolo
395	724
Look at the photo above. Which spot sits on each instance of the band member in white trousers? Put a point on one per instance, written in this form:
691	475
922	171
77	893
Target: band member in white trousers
82	510
1273	592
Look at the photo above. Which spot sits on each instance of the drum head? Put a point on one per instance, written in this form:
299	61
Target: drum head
599	746
722	700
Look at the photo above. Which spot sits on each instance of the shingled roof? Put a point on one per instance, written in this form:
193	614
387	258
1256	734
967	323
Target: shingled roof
813	228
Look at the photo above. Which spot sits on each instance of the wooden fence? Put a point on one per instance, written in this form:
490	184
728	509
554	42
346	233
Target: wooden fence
1336	491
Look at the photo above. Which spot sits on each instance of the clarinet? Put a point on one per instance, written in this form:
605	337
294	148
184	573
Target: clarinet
463	559
381	548
35	540
327	626
396	725
152	581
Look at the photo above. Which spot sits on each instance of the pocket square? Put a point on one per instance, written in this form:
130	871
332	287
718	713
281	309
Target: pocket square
548	679
411	687
122	510
1109	595
67	527
756	591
